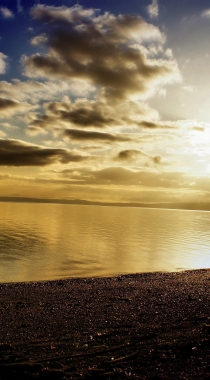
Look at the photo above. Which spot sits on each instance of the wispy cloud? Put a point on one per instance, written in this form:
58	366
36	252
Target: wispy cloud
36	91
6	13
153	9
206	13
3	63
19	6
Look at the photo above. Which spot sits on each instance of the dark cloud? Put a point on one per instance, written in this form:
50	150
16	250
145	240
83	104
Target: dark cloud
198	129
100	50
97	114
8	103
149	124
157	125
18	153
9	107
82	113
128	154
86	117
134	154
41	123
157	160
80	135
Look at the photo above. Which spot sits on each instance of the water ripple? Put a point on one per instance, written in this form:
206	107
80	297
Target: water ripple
46	241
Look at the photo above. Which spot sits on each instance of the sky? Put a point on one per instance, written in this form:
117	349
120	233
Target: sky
105	100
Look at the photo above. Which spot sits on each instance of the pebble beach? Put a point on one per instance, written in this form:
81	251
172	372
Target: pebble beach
140	326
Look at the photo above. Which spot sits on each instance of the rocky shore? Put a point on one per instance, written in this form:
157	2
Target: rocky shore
143	326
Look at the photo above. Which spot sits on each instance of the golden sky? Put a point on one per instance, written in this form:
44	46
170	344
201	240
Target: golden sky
106	103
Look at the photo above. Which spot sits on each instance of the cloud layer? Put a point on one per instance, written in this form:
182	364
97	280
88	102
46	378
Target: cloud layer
104	50
87	111
92	114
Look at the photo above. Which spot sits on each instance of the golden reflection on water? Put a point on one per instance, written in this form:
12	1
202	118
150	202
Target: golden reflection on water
50	241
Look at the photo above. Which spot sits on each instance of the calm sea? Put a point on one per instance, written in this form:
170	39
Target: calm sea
53	241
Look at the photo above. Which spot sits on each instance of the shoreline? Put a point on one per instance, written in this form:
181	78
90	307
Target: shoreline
98	277
137	326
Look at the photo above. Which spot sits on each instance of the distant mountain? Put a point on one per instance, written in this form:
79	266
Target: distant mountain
203	206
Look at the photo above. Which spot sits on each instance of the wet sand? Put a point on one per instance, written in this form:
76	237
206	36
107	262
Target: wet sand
143	326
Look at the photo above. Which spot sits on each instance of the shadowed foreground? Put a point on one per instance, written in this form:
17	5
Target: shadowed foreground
144	326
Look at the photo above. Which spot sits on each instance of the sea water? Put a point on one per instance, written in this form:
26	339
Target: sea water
54	241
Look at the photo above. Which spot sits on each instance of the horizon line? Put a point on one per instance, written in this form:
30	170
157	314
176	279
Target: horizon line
196	206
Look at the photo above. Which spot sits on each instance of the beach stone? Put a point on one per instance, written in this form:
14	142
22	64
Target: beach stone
60	283
51	374
14	375
20	305
95	373
71	369
22	367
6	347
34	367
57	365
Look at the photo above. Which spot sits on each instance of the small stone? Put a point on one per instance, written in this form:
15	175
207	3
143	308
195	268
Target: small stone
51	374
6	347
